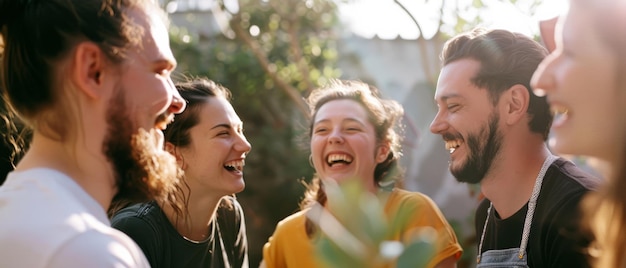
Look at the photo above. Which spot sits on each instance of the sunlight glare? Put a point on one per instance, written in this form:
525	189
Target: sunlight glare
385	19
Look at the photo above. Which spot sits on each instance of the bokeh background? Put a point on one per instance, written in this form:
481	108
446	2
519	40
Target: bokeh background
272	53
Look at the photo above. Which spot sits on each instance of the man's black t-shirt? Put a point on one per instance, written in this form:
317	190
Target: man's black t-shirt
556	239
165	247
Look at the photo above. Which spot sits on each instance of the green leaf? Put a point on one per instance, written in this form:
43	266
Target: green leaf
417	254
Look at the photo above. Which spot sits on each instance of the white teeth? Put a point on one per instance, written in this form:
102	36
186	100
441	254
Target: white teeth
162	125
338	157
559	113
237	164
452	145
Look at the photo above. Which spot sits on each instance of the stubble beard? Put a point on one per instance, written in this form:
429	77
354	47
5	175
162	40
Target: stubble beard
143	170
481	154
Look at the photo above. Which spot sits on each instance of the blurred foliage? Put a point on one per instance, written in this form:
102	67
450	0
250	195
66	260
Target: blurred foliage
355	231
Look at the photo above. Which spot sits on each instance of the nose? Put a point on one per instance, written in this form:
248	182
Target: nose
178	104
543	79
242	145
438	125
335	137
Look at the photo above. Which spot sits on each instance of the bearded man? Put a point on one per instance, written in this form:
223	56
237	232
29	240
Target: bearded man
92	79
495	129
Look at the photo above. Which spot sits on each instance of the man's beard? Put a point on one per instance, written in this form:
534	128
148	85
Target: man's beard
481	155
143	170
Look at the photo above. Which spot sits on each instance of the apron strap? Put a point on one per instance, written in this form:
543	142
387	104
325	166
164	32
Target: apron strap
532	203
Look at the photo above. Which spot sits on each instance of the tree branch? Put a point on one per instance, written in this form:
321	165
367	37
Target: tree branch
260	55
421	41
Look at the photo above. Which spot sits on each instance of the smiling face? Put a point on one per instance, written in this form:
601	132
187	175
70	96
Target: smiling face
214	160
580	79
343	142
150	92
144	101
467	121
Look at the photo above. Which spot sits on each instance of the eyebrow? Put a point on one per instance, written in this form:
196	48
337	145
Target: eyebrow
228	126
224	125
444	98
350	119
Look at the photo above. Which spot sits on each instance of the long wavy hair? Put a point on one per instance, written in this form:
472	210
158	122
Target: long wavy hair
606	209
383	114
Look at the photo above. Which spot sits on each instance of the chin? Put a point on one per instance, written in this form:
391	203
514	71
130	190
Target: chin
563	147
238	188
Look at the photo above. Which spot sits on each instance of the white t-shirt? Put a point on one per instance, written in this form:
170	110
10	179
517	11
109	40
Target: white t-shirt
48	220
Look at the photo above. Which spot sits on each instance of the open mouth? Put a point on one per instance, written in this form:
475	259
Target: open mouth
452	145
236	165
337	159
559	113
163	120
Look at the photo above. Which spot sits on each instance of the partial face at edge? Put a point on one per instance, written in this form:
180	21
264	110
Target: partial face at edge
144	102
579	78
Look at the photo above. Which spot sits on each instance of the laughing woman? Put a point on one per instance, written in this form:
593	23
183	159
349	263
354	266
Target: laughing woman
208	142
585	82
353	135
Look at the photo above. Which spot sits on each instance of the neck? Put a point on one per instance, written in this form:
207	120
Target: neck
89	169
510	183
608	169
195	222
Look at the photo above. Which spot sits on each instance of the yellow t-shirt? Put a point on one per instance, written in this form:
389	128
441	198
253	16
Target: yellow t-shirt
290	246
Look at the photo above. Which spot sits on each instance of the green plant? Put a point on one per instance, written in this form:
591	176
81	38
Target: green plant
355	232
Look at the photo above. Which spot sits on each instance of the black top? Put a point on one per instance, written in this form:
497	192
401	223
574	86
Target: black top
163	246
556	239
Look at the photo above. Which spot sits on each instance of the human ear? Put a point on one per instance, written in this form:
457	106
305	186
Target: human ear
87	69
172	149
517	99
382	152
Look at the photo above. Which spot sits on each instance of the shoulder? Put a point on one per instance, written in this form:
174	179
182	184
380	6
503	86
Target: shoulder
481	210
565	184
291	227
138	214
401	195
110	248
422	209
404	199
293	221
143	222
564	173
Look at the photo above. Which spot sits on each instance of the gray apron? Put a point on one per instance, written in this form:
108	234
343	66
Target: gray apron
513	257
